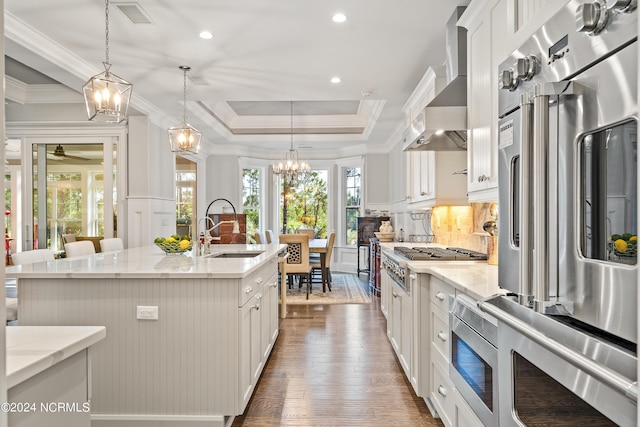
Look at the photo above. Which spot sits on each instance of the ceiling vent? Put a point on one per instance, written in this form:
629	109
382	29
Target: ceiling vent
134	12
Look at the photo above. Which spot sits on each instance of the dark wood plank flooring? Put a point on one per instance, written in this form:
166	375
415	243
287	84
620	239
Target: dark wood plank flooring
333	365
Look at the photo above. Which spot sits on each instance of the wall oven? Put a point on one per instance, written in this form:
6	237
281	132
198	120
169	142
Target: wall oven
554	374
474	357
568	176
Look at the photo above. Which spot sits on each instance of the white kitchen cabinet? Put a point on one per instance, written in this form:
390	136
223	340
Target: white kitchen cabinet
400	326
259	330
250	347
385	290
441	388
463	415
482	103
433	180
441	391
269	316
258	318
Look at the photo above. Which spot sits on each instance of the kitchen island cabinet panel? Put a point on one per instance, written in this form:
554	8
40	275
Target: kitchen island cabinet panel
198	362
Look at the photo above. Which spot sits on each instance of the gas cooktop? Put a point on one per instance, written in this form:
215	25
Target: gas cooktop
439	254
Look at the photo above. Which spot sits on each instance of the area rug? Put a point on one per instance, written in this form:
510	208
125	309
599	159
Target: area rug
345	289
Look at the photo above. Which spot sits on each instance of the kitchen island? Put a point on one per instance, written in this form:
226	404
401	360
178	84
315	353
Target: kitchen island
188	336
47	375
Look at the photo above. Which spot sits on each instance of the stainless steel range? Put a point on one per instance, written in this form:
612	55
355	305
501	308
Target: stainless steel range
439	254
395	263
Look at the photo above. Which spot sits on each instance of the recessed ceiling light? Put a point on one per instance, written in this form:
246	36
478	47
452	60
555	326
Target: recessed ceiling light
206	35
336	80
339	18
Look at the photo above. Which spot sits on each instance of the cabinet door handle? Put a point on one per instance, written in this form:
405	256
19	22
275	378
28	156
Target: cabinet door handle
395	295
442	336
413	276
442	390
258	297
248	290
274	285
257	306
440	296
259	280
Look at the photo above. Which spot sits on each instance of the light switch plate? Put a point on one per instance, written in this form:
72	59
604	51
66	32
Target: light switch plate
147	312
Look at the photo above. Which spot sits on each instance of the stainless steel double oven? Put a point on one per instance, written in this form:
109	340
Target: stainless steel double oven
568	176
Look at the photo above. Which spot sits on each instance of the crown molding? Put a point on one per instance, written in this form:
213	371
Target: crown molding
40	45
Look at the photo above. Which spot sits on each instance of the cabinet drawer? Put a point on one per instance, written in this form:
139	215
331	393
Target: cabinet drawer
440	331
254	282
439	293
442	393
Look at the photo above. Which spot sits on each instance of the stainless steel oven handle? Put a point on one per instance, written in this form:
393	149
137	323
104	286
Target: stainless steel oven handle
541	97
602	373
540	194
526	190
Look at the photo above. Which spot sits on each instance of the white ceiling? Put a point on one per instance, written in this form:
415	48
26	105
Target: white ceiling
263	55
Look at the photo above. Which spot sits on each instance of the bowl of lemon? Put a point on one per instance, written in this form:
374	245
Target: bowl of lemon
174	244
625	245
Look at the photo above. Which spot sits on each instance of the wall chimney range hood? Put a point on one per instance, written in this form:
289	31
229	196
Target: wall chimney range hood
442	125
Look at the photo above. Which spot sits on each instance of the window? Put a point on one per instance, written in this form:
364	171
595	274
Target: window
352	203
304	203
186	174
251	200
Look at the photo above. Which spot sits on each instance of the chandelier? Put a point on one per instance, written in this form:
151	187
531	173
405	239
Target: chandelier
290	166
184	138
106	95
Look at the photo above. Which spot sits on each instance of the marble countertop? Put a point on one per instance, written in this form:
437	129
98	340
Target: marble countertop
152	262
33	349
477	279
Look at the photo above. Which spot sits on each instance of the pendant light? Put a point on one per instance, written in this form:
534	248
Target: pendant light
291	166
184	138
106	95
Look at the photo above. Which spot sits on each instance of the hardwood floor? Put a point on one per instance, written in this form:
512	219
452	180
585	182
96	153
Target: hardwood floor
333	365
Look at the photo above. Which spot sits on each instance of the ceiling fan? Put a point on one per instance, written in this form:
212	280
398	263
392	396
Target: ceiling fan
59	154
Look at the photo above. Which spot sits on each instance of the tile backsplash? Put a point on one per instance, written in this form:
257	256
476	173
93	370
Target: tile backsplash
461	226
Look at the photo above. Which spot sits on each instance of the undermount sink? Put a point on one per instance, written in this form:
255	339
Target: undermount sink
247	254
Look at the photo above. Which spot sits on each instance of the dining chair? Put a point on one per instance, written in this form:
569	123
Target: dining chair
30	257
23	258
260	237
308	231
315	261
68	238
271	237
111	244
298	259
77	249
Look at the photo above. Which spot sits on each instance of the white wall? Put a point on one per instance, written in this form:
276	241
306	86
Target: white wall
151	210
223	180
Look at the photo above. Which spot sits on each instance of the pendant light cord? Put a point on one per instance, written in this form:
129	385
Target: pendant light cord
106	32
184	68
291	149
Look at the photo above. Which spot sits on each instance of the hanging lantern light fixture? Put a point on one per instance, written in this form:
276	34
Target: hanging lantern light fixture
106	95
290	166
184	138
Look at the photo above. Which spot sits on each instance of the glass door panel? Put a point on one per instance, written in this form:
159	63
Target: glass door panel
77	200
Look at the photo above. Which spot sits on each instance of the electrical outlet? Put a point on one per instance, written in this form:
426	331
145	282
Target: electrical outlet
147	312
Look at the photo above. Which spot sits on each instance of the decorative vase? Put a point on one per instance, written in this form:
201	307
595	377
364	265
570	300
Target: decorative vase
385	227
